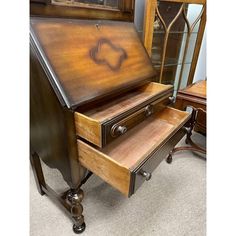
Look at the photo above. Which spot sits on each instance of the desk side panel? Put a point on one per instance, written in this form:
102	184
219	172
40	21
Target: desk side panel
52	131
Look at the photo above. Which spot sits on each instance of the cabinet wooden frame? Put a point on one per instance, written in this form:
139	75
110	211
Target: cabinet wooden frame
124	12
149	16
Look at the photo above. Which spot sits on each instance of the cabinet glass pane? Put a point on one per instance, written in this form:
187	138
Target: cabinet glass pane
98	3
186	70
194	10
174	40
168	11
174	52
169	73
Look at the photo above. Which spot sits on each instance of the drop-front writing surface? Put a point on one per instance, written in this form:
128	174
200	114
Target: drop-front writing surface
92	59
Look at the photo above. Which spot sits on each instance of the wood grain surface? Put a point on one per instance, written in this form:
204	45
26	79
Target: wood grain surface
115	162
197	89
125	102
195	95
105	167
90	121
92	59
88	128
52	129
130	149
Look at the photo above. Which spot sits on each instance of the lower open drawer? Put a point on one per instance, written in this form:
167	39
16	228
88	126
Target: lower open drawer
129	160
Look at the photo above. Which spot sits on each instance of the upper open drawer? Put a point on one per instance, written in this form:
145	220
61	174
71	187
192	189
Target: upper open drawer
128	161
103	123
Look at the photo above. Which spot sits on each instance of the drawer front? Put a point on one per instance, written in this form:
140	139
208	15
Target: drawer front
120	125
102	122
144	171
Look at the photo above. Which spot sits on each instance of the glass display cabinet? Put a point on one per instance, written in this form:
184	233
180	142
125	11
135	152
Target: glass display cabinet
97	9
173	32
114	4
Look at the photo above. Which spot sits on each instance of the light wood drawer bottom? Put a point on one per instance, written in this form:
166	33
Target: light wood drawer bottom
140	149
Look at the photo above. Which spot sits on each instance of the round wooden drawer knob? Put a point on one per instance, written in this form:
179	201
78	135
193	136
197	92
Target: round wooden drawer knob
121	129
146	175
148	110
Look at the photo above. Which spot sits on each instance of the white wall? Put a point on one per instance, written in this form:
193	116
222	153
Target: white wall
200	72
139	14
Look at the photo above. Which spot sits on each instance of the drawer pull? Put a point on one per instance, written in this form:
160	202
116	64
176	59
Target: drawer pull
172	99
148	110
118	130
146	175
121	129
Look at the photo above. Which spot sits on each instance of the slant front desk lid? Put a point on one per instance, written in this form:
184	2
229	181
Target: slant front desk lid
89	59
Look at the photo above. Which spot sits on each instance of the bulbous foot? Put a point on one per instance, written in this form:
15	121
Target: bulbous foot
169	159
79	229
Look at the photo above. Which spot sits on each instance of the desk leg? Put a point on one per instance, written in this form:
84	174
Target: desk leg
38	172
70	201
75	197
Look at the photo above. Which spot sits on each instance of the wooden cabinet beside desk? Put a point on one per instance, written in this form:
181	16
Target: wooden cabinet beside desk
194	95
95	108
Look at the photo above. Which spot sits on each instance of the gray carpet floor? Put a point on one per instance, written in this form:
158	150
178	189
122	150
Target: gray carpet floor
172	203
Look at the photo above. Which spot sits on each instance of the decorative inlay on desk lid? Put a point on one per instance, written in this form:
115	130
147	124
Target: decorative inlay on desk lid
90	59
108	54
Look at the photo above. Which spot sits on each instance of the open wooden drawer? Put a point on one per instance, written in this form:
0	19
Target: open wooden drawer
129	160
106	122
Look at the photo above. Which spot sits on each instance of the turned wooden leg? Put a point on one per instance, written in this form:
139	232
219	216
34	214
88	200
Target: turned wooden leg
69	201
191	124
38	173
75	197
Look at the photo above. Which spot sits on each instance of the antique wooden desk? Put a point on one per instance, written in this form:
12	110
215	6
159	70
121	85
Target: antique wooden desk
94	108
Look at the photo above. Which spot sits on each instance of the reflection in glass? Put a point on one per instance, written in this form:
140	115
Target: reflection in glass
173	48
168	74
168	11
174	54
104	3
193	12
186	69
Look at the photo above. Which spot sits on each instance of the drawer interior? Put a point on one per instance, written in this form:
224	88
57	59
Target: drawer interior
89	120
115	162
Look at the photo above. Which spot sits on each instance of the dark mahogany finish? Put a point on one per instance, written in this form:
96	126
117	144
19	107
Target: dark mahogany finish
50	125
93	105
88	60
194	97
